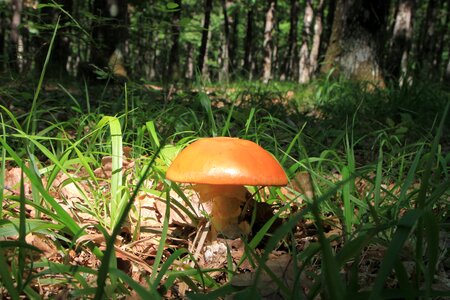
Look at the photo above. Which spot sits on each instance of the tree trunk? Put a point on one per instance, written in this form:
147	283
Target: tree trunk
205	71
443	35
315	47
275	60
2	37
304	63
16	49
173	71
224	74
268	42
355	41
248	44
155	55
143	62
190	61
292	42
234	36
401	40
205	34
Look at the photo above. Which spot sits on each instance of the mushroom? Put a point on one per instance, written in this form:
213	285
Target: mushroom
220	167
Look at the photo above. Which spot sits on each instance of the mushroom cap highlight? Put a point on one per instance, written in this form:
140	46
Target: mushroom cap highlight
227	161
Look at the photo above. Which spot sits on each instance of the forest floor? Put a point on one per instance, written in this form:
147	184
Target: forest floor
165	236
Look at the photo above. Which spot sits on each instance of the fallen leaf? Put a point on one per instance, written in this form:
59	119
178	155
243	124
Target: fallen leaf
283	268
43	243
12	182
105	171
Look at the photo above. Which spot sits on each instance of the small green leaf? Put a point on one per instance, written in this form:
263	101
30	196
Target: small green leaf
184	22
172	5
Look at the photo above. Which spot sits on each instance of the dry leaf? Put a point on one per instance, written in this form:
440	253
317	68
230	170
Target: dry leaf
283	268
176	215
43	243
302	183
105	171
12	181
69	190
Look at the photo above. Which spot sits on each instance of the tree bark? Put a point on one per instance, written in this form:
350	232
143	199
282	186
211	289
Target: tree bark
16	49
292	42
234	36
248	44
401	40
205	34
190	62
224	74
315	47
355	42
304	63
173	70
2	36
268	41
443	35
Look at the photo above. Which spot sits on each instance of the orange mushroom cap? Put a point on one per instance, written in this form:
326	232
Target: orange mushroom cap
228	161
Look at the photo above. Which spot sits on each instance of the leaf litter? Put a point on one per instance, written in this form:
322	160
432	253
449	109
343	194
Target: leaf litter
138	243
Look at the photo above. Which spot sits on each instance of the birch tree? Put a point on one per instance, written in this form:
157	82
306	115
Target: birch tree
304	75
268	41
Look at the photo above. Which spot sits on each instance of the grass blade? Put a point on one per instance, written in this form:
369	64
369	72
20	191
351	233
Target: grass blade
104	267
404	228
31	115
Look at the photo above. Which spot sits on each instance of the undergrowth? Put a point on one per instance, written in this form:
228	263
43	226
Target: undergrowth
371	221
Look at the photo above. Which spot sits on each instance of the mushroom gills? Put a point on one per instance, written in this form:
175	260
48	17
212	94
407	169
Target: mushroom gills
225	203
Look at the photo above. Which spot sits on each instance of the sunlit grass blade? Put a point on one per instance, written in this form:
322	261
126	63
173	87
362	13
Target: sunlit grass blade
150	125
205	101
117	200
61	215
162	244
227	125
104	267
249	121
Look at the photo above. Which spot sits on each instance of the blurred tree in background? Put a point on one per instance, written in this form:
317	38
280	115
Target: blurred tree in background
219	40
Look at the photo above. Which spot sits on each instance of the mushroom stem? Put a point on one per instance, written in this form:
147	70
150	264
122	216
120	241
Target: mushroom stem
225	208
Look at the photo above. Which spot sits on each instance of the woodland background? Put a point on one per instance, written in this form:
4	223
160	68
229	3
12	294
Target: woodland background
163	41
97	97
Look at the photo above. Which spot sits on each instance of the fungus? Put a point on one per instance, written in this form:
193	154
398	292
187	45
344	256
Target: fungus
219	168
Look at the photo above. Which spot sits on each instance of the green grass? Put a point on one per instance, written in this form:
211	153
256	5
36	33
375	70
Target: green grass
378	162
